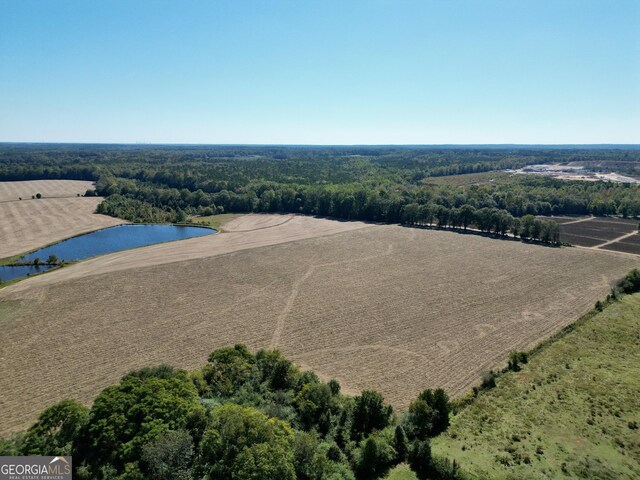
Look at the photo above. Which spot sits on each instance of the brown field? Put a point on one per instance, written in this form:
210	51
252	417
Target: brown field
384	307
12	191
29	224
630	244
607	233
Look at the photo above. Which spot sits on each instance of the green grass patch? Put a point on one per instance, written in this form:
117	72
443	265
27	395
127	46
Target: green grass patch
401	472
11	260
573	411
214	221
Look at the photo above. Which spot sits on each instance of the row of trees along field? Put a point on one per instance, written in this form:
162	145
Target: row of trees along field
146	202
486	220
242	417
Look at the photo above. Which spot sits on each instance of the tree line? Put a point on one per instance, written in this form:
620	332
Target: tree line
140	202
489	220
241	416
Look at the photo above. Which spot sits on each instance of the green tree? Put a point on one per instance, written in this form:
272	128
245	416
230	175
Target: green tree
375	458
314	405
127	416
370	413
420	458
467	215
169	456
56	429
263	461
400	444
228	369
277	371
233	429
428	415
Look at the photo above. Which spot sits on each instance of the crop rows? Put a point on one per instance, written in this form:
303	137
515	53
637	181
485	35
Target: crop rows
384	307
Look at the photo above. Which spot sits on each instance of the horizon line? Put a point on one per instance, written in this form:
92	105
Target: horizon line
380	145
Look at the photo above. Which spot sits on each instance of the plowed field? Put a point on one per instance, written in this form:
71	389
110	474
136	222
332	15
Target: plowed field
381	307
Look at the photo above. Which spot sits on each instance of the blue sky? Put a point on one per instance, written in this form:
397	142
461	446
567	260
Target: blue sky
320	72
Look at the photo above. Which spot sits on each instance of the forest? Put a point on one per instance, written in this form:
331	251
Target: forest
379	184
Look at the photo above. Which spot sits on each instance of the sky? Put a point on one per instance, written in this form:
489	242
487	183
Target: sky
320	72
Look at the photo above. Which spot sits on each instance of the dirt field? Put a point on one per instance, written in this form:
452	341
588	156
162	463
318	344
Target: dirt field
383	307
247	231
618	234
29	224
12	191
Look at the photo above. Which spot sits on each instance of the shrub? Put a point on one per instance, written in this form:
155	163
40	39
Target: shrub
631	282
488	380
516	359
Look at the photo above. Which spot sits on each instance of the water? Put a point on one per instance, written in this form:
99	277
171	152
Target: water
9	273
114	239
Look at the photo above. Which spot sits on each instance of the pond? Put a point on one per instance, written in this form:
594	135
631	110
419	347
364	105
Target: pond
8	272
114	239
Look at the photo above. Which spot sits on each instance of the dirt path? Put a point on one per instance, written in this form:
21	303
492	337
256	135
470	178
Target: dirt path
619	239
578	221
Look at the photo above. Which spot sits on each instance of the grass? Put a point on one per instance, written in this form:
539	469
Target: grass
401	472
572	411
215	221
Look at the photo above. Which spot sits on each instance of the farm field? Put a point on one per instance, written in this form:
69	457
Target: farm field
435	308
246	231
29	224
630	244
571	412
600	232
12	191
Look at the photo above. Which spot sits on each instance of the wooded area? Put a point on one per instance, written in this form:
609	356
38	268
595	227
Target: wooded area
381	184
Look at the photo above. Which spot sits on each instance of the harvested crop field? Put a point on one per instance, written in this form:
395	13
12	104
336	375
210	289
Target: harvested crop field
434	308
29	224
618	234
13	191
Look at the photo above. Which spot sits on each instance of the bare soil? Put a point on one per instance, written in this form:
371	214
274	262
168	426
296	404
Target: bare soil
608	233
29	224
12	191
380	307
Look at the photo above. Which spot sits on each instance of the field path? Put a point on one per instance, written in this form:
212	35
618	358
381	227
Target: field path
275	340
619	239
586	219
